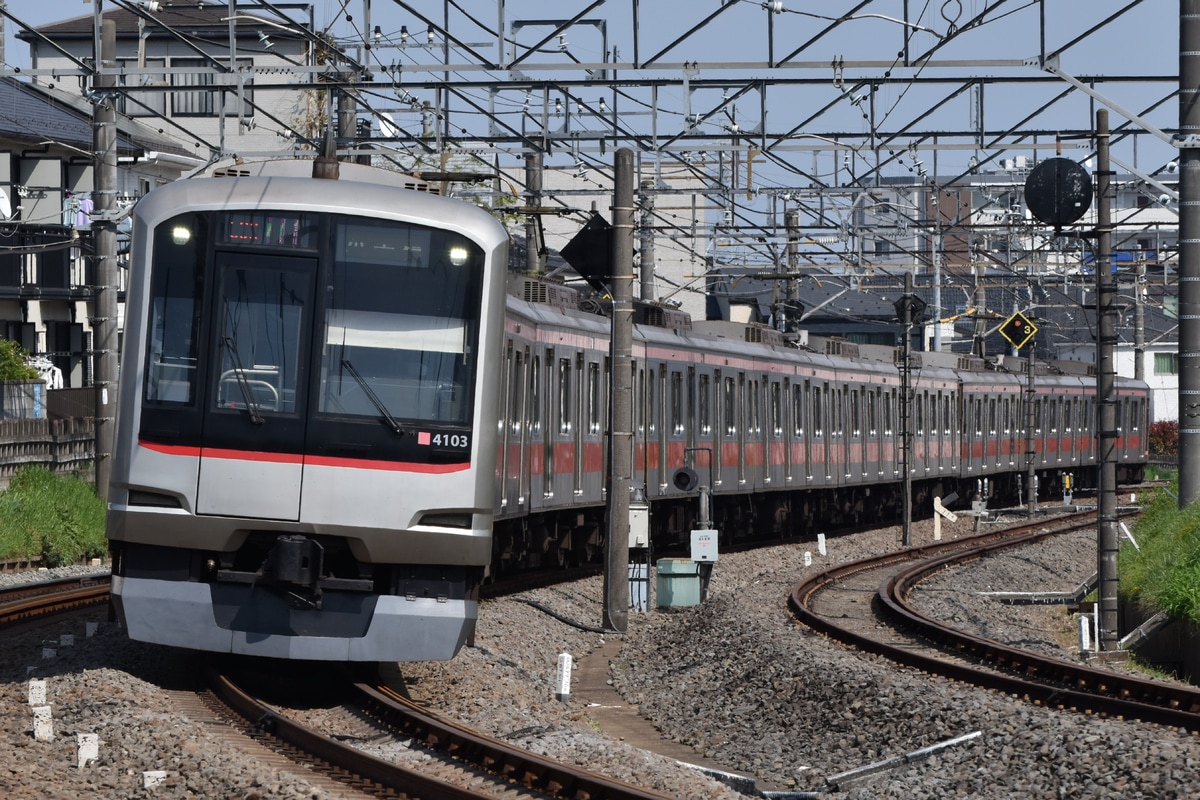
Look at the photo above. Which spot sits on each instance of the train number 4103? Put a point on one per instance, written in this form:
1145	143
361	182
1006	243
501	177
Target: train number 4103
454	440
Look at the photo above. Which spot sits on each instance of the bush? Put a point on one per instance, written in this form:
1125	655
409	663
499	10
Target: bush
1164	438
59	519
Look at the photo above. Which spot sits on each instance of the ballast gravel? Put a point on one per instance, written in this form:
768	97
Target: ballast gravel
735	677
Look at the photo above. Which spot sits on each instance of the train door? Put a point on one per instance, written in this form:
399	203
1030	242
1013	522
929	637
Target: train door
751	431
549	429
917	454
792	428
534	430
855	466
677	430
875	432
593	444
577	423
260	344
509	462
779	459
819	466
736	431
704	424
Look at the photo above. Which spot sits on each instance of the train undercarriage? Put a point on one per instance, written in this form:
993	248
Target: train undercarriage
575	537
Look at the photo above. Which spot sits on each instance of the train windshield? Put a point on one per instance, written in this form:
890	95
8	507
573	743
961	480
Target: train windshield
329	334
399	323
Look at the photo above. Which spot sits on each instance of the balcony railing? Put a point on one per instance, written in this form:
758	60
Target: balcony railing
49	262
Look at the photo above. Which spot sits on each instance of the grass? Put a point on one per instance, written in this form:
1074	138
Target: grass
1165	573
55	518
1157	472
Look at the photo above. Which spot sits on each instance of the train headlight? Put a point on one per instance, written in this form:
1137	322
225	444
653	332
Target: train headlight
181	235
458	256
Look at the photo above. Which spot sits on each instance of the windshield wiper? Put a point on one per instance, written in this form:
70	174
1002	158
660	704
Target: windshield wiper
387	415
244	385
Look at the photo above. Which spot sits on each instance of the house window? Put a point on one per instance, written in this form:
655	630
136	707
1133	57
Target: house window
196	102
148	102
1166	363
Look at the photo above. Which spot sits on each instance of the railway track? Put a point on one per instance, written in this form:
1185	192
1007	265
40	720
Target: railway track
851	603
485	767
29	601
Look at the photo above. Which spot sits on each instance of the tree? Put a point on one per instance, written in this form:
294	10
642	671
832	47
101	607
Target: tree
13	366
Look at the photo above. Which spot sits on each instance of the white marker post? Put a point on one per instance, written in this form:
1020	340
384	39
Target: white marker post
821	543
37	692
562	680
89	748
43	724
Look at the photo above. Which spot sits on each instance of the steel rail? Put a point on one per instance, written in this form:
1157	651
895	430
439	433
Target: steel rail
32	600
509	766
1040	679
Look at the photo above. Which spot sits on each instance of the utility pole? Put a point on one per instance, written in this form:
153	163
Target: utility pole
616	572
104	240
1139	323
792	314
647	236
980	344
533	201
1031	488
906	412
1189	252
1107	544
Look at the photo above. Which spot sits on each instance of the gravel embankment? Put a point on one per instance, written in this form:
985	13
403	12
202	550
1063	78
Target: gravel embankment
735	677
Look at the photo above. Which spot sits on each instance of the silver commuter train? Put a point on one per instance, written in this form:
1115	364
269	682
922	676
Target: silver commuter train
335	500
303	469
792	439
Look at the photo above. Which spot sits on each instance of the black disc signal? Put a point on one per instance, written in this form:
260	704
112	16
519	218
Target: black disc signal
1058	191
1018	330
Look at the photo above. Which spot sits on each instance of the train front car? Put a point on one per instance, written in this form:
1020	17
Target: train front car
304	467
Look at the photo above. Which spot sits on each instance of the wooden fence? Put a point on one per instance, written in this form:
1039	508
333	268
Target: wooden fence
64	446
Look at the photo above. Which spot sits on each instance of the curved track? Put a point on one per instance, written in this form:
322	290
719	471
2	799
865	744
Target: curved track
848	603
500	766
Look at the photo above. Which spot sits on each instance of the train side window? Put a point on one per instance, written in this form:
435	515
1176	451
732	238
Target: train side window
534	415
975	401
564	396
677	403
946	415
992	425
690	413
651	405
797	410
728	401
776	410
818	410
593	392
639	405
752	405
512	407
919	413
889	403
703	406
